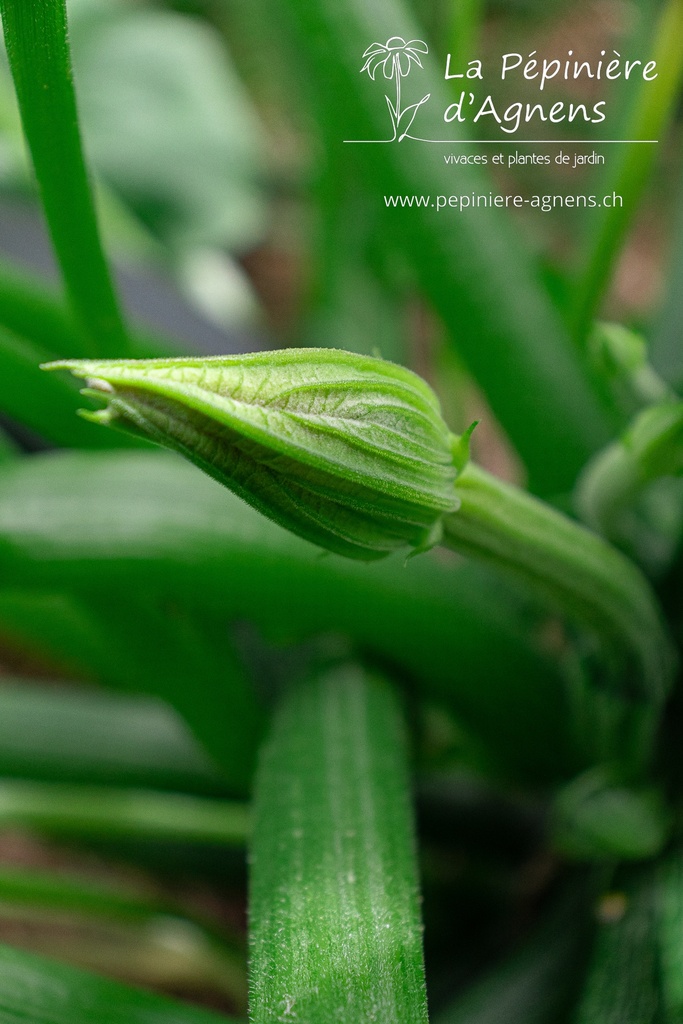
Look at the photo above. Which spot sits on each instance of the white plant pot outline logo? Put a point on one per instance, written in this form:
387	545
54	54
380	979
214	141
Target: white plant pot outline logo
396	58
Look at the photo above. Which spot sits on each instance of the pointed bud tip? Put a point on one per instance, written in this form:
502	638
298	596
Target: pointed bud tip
348	451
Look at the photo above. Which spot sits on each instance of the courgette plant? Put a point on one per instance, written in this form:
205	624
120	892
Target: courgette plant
326	614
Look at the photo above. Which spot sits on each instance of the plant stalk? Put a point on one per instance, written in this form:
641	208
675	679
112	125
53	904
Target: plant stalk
585	577
38	49
334	916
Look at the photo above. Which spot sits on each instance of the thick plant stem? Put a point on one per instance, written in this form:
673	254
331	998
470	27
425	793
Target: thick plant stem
584	576
38	50
335	923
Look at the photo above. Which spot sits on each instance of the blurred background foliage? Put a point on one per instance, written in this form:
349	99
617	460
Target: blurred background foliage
147	618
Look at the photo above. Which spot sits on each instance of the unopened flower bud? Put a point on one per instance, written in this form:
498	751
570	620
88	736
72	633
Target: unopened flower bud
348	451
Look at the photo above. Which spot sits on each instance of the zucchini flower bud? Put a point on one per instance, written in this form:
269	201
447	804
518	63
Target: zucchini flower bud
347	451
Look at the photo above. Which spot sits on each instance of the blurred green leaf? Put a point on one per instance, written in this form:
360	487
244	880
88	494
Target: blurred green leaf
168	123
595	818
123	521
627	173
59	891
622	983
96	812
47	407
33	311
335	929
9	449
34	990
355	305
82	734
666	350
620	356
466	22
157	931
670	899
191	664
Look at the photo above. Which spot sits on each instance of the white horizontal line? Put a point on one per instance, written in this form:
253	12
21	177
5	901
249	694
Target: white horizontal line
519	142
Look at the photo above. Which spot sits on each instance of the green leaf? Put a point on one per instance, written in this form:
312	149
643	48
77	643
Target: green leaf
95	812
355	303
629	168
191	664
46	406
96	919
65	733
120	522
622	985
345	450
25	887
666	350
34	990
334	915
9	449
38	50
34	312
168	123
595	818
464	28
670	899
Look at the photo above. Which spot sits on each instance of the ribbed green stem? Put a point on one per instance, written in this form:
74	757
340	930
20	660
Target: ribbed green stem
38	49
584	576
335	921
106	812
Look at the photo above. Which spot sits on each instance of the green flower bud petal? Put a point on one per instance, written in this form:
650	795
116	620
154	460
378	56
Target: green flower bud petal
347	451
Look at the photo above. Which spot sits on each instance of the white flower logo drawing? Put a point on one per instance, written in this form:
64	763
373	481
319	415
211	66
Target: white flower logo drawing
396	58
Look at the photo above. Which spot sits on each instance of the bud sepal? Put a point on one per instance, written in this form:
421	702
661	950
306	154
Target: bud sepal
348	451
